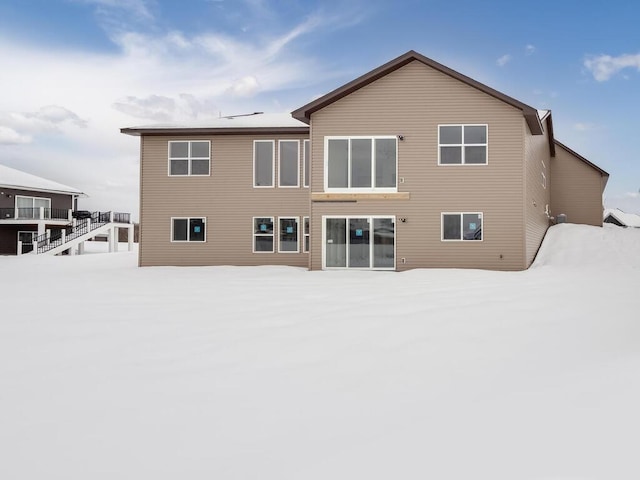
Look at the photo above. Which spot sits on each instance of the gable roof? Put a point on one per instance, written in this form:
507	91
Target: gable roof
584	160
304	113
627	219
16	179
253	123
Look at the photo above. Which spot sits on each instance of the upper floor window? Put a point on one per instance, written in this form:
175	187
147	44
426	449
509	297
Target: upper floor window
288	163
189	157
263	159
462	144
307	162
33	207
361	163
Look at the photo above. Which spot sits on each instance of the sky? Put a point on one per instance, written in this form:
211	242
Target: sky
73	72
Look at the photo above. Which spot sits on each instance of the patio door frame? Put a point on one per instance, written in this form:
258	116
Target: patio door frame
347	218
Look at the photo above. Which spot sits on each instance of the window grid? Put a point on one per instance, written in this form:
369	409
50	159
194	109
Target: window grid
463	144
189	159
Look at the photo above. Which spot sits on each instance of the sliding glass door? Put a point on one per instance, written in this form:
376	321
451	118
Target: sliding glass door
359	242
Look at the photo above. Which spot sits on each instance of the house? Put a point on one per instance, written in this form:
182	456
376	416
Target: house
620	218
38	215
411	165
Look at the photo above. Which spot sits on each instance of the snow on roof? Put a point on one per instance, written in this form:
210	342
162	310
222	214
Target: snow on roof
257	120
628	219
12	178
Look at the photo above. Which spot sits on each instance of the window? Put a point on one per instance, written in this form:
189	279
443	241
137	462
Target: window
30	207
188	229
288	235
306	234
189	157
288	163
307	162
462	144
263	235
462	226
263	158
359	242
544	180
367	164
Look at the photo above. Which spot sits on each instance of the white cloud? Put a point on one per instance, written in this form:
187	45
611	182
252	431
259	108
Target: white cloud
503	60
603	67
72	115
529	49
182	107
8	136
245	87
20	127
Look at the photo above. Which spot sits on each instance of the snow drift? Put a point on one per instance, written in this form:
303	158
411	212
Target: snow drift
112	371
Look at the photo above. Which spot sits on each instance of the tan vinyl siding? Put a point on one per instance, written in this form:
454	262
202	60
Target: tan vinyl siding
576	189
412	101
226	198
537	162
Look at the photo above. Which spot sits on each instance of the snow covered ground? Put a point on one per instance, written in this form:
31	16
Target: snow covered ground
109	371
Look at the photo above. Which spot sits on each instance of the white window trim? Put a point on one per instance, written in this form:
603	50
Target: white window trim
373	166
462	145
45	217
305	235
188	219
273	164
254	234
280	142
544	180
461	239
188	159
34	235
297	220
347	218
32	198
304	163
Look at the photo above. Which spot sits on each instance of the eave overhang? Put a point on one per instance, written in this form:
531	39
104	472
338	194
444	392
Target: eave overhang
182	131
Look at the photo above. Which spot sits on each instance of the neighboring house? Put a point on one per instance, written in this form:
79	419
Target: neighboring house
411	165
36	212
620	218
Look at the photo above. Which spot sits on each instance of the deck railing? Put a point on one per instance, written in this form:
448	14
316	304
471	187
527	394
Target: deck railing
48	241
39	213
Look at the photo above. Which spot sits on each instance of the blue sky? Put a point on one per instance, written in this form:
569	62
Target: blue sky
75	71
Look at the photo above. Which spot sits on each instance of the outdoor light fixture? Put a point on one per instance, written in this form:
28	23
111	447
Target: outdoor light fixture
400	137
